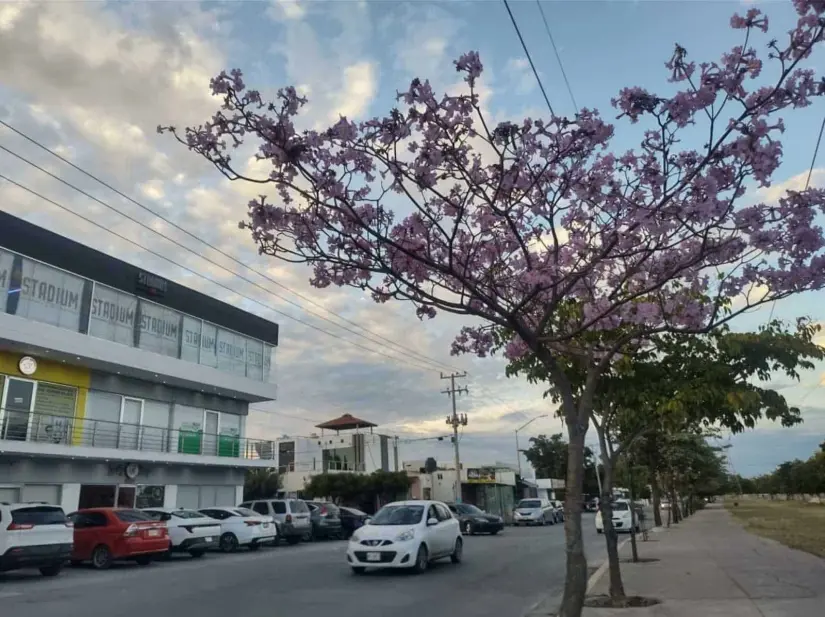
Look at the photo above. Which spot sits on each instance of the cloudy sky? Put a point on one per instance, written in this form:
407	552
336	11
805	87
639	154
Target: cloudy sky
92	80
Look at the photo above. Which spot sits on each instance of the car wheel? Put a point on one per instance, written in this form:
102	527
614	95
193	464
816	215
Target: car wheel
101	557
422	560
468	528
254	547
197	554
144	560
76	562
358	570
494	532
229	543
458	551
52	570
292	540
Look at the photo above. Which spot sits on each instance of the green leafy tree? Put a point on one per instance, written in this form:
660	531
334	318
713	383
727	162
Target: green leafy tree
261	484
548	456
364	490
686	386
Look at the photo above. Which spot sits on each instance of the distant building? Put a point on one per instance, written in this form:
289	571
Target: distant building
490	487
345	444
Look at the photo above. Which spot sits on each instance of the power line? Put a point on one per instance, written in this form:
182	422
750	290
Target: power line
198	274
807	183
558	56
529	58
409	352
176	243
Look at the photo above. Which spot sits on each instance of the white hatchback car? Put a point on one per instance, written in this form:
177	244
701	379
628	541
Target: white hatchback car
189	531
242	527
622	517
406	534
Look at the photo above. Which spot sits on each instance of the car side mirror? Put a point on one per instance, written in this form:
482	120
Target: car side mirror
432	521
367	520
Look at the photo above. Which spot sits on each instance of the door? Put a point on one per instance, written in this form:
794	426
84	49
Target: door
17	403
125	496
435	533
447	529
131	418
211	424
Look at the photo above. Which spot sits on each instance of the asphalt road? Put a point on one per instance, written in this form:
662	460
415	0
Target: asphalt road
501	576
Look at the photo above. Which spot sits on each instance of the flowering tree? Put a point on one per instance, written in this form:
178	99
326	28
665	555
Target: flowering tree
535	227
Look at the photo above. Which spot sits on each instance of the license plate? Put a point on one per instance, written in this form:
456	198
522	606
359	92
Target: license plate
208	539
153	533
373	556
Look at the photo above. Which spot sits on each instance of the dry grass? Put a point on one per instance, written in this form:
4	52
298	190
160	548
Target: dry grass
793	523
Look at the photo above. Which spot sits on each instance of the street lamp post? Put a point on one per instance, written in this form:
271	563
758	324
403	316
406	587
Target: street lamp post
518	450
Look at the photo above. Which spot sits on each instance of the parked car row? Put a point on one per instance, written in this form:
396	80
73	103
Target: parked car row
42	536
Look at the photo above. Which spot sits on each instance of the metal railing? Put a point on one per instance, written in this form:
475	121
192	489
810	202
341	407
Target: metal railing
69	431
320	467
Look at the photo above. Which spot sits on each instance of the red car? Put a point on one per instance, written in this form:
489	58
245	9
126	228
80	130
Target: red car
104	535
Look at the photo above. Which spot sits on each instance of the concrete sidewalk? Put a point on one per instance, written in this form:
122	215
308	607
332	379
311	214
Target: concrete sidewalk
709	566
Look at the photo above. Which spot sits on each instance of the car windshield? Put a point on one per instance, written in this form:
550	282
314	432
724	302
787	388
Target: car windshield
620	506
38	515
296	505
187	514
529	504
245	512
469	509
398	515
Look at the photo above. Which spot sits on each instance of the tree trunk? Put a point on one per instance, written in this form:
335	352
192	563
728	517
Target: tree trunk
606	509
633	546
612	539
575	582
674	503
656	495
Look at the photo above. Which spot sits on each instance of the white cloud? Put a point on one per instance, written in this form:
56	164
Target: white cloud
773	193
287	10
359	88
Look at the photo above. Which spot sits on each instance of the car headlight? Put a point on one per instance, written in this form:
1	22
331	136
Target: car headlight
405	536
355	537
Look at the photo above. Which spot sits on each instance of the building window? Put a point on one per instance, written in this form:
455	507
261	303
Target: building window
54	410
150	496
113	315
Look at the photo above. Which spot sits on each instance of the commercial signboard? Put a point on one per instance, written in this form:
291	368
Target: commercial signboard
481	475
39	292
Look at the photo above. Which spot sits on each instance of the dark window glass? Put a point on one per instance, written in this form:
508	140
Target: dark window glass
131	516
38	515
279	507
298	506
261	508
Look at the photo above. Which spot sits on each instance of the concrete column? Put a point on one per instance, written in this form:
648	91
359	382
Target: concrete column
238	494
70	497
170	496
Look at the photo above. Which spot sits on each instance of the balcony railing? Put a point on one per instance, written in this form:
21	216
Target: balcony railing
321	467
67	431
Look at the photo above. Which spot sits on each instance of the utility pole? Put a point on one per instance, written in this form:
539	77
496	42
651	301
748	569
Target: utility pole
455	420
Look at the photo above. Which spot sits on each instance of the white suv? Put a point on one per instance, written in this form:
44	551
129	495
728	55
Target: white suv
34	535
189	531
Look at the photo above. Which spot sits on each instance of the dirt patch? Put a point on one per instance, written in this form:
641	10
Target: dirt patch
626	602
640	560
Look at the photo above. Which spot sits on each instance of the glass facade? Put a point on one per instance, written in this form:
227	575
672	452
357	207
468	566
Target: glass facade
36	291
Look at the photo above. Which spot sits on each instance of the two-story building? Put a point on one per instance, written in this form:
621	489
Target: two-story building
119	387
345	444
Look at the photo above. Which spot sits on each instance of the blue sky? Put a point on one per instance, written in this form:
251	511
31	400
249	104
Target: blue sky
94	79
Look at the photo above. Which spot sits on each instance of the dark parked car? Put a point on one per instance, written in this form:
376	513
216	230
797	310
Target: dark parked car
352	519
326	520
474	520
